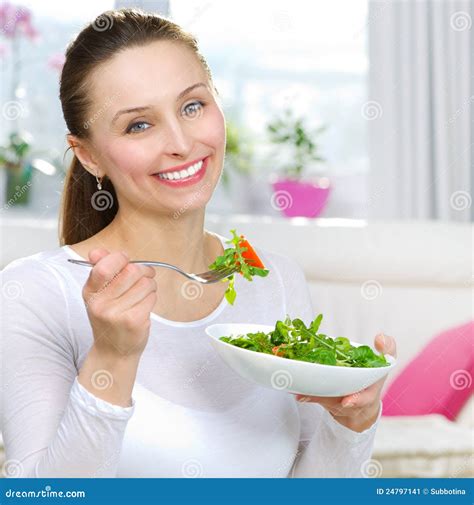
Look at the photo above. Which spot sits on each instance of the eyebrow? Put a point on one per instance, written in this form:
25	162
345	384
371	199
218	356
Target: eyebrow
146	107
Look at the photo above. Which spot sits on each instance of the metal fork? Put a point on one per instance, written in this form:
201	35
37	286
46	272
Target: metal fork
208	277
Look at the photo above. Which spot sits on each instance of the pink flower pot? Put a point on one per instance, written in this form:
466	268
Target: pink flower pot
295	198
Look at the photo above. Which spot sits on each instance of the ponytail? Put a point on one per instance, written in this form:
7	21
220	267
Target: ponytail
84	209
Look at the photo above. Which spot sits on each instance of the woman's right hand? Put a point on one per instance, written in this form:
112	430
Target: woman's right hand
119	297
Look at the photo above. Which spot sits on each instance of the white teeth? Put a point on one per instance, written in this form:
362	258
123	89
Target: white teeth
182	174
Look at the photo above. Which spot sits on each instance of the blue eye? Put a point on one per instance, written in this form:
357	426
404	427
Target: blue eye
194	109
132	129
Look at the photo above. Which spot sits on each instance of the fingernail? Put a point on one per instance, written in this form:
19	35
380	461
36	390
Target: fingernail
348	404
125	254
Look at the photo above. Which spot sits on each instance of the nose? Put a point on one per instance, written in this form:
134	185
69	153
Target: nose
176	140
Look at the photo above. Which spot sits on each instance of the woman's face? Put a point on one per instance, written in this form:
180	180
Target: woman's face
155	112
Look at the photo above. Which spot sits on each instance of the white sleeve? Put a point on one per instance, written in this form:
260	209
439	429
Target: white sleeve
332	450
52	426
326	447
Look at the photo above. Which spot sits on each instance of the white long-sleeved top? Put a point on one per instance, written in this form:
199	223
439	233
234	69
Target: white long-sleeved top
191	415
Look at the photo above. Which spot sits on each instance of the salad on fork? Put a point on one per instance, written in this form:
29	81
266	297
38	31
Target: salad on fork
244	259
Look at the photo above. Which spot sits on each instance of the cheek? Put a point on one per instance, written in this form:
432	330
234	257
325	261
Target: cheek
214	130
128	158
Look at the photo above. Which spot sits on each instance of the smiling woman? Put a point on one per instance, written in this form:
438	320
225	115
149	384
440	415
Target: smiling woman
119	139
108	369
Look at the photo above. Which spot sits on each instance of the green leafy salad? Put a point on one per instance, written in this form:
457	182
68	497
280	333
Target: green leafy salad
243	258
291	339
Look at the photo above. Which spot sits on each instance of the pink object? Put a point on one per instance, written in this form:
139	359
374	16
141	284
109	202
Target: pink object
56	61
439	380
298	198
16	19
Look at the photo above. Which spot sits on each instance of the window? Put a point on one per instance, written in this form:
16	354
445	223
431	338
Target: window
310	56
265	57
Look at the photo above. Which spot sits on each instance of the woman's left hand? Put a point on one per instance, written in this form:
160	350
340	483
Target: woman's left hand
360	410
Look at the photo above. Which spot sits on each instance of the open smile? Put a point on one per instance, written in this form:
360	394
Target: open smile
188	174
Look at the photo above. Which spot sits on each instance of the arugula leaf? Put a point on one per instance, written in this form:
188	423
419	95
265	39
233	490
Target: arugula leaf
291	339
230	293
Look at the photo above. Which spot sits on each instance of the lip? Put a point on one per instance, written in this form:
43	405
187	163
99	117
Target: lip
175	183
179	167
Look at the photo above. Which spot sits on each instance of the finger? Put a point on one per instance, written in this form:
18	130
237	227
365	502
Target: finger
306	399
323	400
386	344
138	292
148	303
96	254
127	278
362	398
105	269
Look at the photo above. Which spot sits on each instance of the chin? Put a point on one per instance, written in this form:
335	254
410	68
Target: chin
193	201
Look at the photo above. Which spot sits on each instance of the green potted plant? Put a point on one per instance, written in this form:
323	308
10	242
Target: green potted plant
16	153
294	193
12	158
18	159
17	24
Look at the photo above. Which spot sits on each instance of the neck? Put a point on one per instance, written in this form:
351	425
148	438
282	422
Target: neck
179	240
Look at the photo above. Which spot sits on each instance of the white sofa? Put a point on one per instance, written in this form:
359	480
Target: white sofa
409	279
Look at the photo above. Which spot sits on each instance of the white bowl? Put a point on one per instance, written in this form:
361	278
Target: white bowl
291	375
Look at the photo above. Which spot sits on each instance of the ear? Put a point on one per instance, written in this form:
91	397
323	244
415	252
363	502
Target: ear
84	154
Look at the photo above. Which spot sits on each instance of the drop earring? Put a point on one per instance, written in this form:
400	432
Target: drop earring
99	182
